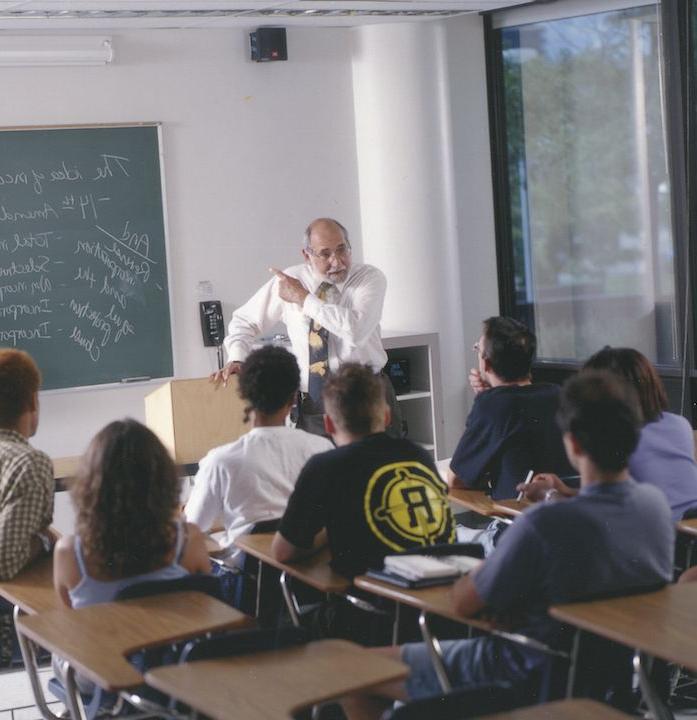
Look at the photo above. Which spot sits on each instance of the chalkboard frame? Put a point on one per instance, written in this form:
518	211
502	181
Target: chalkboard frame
130	382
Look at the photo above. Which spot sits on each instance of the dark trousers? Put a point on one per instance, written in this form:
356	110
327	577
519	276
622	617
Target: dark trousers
312	421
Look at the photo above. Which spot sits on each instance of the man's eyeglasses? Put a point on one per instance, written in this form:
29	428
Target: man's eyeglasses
326	255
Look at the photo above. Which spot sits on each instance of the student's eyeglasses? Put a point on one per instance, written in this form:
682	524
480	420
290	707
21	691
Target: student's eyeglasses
326	255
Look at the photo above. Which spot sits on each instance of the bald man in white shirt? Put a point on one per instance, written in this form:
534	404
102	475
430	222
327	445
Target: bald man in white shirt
328	304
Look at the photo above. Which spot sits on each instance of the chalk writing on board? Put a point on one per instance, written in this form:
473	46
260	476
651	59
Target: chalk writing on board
83	279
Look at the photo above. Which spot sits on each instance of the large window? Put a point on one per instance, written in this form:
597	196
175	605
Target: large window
586	185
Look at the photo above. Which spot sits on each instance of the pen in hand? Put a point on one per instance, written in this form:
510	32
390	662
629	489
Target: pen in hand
527	481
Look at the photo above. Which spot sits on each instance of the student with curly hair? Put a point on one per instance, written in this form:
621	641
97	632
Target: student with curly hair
126	496
251	479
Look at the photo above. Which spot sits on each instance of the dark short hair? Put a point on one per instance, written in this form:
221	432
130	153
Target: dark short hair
354	398
19	381
639	372
268	379
509	347
601	410
126	496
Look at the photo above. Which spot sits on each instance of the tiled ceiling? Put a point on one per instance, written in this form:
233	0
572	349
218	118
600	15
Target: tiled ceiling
116	14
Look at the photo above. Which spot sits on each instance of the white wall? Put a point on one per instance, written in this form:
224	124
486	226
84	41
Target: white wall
383	127
425	186
252	153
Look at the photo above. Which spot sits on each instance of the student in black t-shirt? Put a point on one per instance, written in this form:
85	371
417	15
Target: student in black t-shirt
511	428
375	495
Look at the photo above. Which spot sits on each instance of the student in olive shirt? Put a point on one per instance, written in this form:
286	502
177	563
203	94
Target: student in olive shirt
511	428
375	495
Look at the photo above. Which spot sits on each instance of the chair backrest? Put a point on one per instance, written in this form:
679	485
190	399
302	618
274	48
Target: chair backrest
461	704
241	642
207	584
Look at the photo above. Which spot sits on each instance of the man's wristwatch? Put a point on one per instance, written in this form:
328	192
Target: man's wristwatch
45	540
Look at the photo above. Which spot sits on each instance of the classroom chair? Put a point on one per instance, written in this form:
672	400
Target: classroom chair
353	616
604	673
144	699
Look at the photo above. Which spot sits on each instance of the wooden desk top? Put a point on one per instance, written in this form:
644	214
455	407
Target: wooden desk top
562	710
476	500
32	590
435	600
662	623
96	639
510	507
313	571
688	526
277	683
482	503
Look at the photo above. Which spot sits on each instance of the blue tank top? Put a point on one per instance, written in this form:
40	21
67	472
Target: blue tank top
90	591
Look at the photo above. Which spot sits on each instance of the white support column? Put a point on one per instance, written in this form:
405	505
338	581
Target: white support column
412	204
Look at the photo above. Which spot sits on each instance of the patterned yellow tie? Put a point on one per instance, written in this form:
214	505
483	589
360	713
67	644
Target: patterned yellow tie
318	340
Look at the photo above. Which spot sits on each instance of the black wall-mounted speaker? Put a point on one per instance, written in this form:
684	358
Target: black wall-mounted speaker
268	44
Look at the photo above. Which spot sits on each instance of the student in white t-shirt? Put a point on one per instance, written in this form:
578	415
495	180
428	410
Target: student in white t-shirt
251	479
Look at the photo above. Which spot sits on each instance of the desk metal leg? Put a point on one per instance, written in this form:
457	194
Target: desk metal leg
395	624
573	660
257	609
657	708
435	653
29	659
72	695
291	603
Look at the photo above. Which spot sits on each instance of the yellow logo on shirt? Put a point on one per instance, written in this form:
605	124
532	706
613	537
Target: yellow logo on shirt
406	505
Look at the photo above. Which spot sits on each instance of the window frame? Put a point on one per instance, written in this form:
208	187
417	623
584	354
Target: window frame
679	89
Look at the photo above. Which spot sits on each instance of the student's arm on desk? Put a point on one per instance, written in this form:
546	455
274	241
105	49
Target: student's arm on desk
66	573
454	482
195	556
690	575
284	551
466	600
536	490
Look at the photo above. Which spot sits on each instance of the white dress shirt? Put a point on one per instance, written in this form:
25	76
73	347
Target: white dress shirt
249	480
351	313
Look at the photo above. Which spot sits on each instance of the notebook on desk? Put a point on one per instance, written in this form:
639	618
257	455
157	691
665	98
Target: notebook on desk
423	571
403	582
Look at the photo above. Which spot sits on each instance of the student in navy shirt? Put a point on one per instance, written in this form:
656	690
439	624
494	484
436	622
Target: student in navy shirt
511	428
614	536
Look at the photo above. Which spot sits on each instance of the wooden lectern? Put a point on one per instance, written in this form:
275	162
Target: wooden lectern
193	416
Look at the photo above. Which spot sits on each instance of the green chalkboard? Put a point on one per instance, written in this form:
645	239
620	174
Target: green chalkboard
83	262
